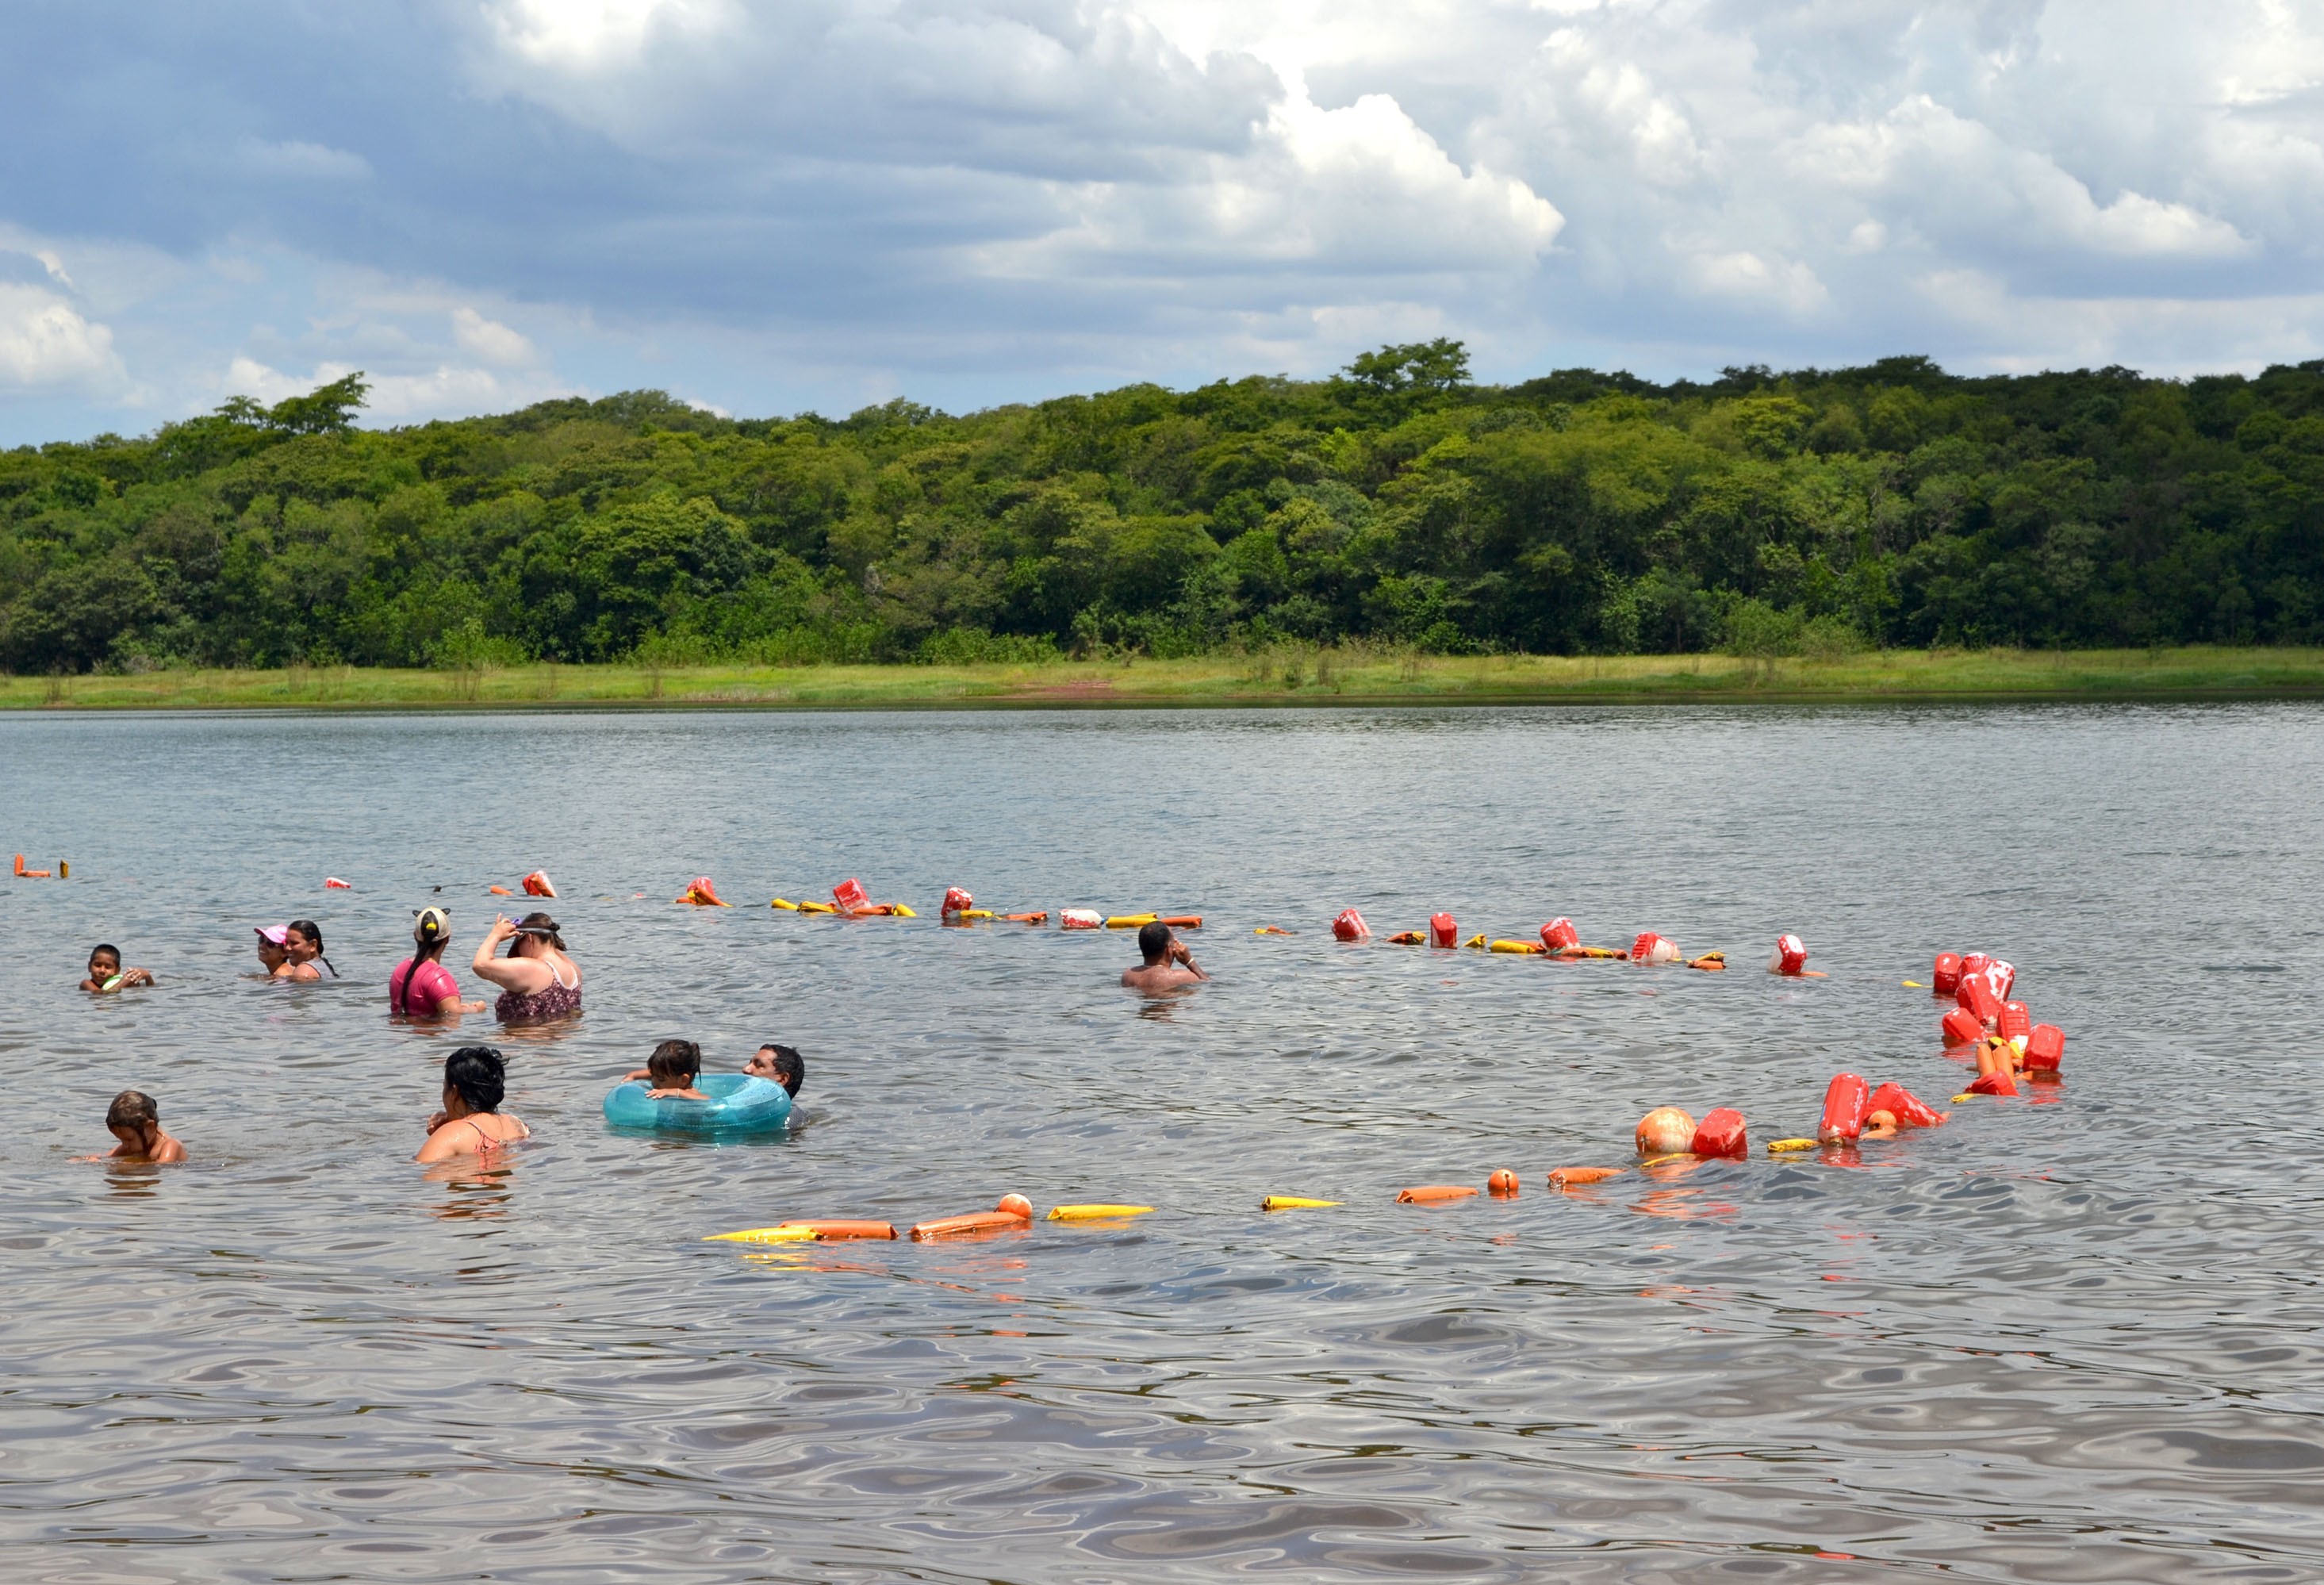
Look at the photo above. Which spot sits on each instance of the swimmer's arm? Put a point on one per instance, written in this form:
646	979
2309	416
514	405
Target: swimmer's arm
1186	960
94	989
440	1147
138	977
635	1074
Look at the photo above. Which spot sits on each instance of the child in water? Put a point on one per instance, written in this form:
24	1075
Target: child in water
136	1121
106	972
672	1071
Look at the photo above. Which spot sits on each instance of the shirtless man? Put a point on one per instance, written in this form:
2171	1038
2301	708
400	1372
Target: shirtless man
1168	964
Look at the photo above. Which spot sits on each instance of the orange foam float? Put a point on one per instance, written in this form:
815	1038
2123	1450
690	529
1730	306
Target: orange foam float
24	874
1575	1177
1666	1131
500	891
1502	1184
1710	962
701	894
831	1231
1434	1193
1039	918
1013	1212
537	885
1720	1133
1409	938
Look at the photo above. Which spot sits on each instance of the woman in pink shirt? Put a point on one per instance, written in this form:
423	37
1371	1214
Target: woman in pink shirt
421	987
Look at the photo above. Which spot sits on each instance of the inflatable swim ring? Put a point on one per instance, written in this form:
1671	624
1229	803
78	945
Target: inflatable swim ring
738	1104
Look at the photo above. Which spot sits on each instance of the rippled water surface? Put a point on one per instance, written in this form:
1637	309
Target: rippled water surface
2072	1338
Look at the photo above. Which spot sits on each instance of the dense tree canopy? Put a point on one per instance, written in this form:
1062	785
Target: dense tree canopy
1580	512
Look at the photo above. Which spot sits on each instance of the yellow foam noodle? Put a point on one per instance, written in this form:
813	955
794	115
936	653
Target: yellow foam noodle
1514	946
1477	941
1785	1147
764	1235
1095	1212
1915	985
785	903
903	911
1964	1095
817	909
1293	1202
973	913
1128	921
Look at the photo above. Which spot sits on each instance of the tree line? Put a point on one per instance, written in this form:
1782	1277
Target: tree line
1396	501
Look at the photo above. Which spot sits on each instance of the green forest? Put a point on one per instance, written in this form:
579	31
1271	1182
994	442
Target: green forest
1398	502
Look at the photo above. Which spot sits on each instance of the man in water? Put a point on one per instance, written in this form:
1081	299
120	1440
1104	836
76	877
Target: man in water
1168	964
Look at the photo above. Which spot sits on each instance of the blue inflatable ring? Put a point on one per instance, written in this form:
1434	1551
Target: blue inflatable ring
738	1104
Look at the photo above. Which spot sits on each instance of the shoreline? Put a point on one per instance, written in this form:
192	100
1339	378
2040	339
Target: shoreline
1286	677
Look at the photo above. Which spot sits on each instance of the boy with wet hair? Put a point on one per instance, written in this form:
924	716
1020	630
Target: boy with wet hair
135	1121
106	972
782	1063
672	1071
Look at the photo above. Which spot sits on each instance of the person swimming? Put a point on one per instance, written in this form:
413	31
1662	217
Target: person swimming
1168	964
671	1070
106	975
421	987
271	953
782	1063
472	1122
302	949
537	982
135	1121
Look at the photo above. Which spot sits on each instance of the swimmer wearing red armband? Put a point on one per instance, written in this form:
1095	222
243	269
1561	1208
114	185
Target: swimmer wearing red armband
135	1121
1168	964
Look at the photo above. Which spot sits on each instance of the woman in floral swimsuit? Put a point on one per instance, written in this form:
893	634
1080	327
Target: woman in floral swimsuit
537	982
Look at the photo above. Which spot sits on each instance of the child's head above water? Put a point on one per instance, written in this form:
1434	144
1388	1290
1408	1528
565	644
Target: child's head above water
782	1063
133	1109
104	963
673	1063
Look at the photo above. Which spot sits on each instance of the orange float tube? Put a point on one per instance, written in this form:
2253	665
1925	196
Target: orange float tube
1434	1193
1409	938
1041	918
1575	1177
824	1228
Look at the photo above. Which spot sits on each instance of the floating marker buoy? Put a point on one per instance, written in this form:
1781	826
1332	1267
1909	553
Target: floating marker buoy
1434	1193
1039	918
1094	1213
1181	921
500	891
537	885
785	904
1575	1177
1350	927
1995	1083
1273	930
1975	963
1651	948
2003	977
1013	1211
1789	1147
973	913
1082	919
700	894
1976	996
814	908
1710	962
1791	955
1442	931
1720	1133
787	1234
956	901
1520	948
829	1231
1908	1109
333	883
1293	1202
1016	1205
1560	933
1477	941
1666	1131
1128	921
2016	1023
2045	1048
1407	938
1945	977
849	895
1843	1110
1961	1027
64	870
1502	1184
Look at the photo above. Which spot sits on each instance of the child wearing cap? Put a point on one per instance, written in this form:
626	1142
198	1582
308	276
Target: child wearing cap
421	987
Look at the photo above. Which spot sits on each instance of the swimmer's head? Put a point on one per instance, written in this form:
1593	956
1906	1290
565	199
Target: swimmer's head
673	1063
1154	941
430	929
782	1063
133	1109
105	956
477	1075
270	952
303	940
535	933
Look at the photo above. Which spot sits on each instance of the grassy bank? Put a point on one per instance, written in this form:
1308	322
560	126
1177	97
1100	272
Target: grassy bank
1279	677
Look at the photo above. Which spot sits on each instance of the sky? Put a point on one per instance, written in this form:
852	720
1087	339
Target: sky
765	207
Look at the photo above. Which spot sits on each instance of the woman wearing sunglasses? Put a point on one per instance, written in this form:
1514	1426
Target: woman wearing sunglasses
537	982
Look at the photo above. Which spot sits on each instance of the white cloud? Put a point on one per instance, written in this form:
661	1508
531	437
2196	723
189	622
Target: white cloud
44	341
447	389
489	339
585	34
302	161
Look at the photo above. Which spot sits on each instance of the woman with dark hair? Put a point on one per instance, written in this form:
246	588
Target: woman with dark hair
537	982
472	1122
302	946
421	987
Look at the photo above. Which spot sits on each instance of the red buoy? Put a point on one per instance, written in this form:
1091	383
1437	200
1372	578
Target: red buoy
1997	1082
1791	955
1651	948
1961	1027
1902	1104
2045	1048
1844	1106
1945	977
1976	996
1975	963
956	901
1350	926
1560	933
2003	977
850	895
2016	1021
1720	1133
1442	931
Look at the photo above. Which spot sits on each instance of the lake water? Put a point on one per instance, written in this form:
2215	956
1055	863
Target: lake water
2074	1338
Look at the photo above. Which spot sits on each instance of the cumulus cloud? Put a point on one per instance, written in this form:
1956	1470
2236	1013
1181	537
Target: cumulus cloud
44	341
826	201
